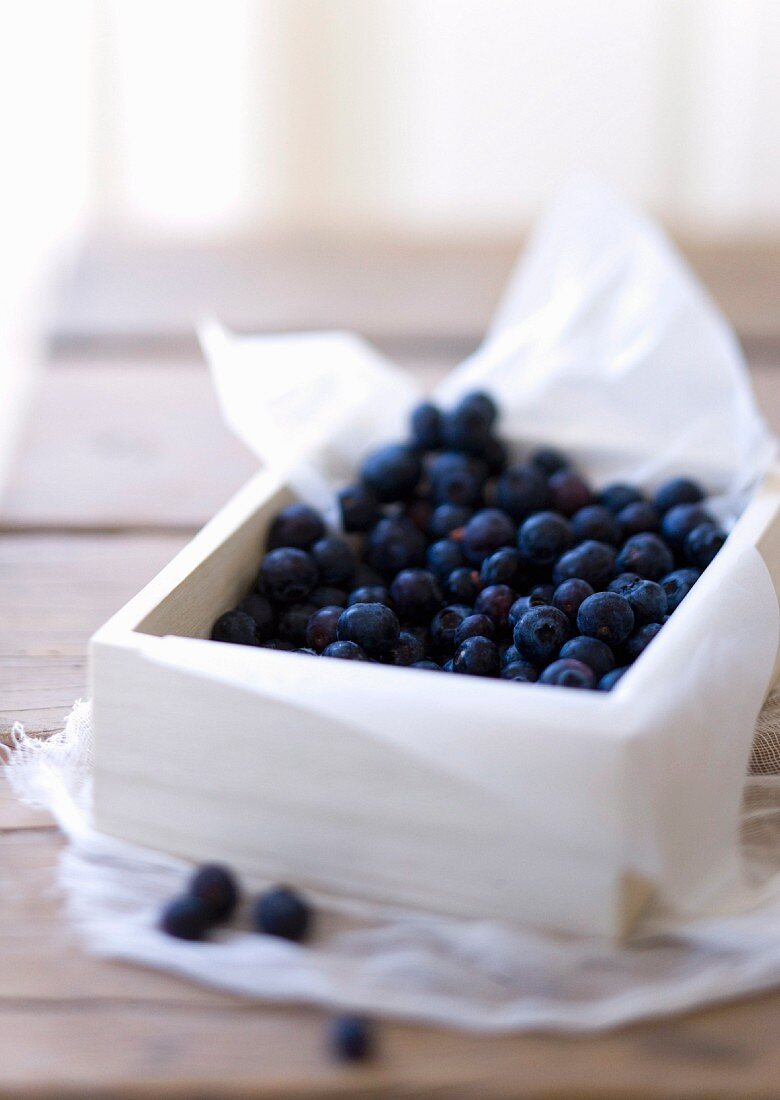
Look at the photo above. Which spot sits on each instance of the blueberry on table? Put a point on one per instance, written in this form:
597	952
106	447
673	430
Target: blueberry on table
372	626
359	508
505	566
594	521
496	602
426	426
186	918
345	651
680	520
408	650
638	517
335	560
262	612
570	673
677	585
463	585
216	887
549	461
287	574
703	543
416	595
447	518
568	492
477	657
543	537
474	626
370	593
296	525
443	556
522	671
591	561
487	531
617	495
328	596
606	683
679	490
568	596
646	554
350	1038
521	490
540	633
591	652
236	627
392	471
640	640
606	616
444	627
321	628
395	543
282	912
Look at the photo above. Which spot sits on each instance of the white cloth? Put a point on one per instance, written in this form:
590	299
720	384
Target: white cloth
478	975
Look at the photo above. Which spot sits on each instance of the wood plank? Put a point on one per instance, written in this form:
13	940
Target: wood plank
55	590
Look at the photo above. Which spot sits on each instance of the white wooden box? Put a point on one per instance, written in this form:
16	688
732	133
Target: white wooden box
479	798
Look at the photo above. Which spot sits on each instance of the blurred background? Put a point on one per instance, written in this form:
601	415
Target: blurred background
364	163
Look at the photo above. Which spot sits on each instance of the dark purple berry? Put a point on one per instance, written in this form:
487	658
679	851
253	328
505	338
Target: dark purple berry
287	574
549	461
543	537
540	633
444	556
677	585
617	495
416	595
321	628
395	543
505	566
293	621
236	627
648	601
590	561
486	531
335	560
444	627
477	657
679	490
474	626
216	887
495	602
408	650
606	683
568	492
568	596
427	663
351	1039
296	525
282	912
456	479
703	543
392	471
569	673
520	670
261	611
426	426
186	918
467	426
606	616
345	651
447	518
592	652
638	517
463	585
372	626
594	521
680	520
371	593
647	554
359	508
640	640
522	490
327	596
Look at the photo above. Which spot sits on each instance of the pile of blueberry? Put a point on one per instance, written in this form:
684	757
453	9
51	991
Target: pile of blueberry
456	558
211	899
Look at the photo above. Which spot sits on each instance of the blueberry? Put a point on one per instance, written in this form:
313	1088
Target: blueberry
520	490
568	596
419	510
592	652
287	574
479	403
216	887
278	643
444	556
392	471
447	666
648	601
365	575
495	602
569	673
623	583
335	560
426	426
395	543
617	495
456	479
444	628
296	525
261	611
541	594
606	683
486	531
293	622
703	543
543	537
638	517
467	426
416	594
346	651
321	628
359	508
371	593
520	670
509	653
591	561
549	461
427	663
568	492
640	640
328	596
477	657
236	627
517	610
677	585
372	626
282	912
350	1038
540	633
462	585
646	554
495	455
186	918
408	650
505	566
594	521
680	520
607	616
474	626
447	518
679	490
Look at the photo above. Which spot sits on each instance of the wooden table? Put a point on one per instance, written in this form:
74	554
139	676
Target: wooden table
122	458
